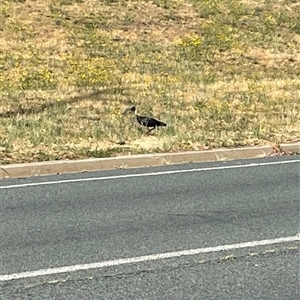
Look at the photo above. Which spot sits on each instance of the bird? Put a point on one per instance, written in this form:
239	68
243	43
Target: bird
148	122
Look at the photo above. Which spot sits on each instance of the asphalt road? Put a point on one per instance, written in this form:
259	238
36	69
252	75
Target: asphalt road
57	221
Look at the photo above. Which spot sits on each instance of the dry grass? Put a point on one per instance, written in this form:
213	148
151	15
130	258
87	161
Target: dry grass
221	73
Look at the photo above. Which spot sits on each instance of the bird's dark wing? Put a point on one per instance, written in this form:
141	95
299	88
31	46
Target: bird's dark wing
149	122
162	123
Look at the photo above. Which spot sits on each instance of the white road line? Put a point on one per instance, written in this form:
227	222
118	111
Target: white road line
146	258
148	174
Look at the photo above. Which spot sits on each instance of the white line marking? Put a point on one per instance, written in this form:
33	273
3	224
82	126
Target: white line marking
146	258
148	174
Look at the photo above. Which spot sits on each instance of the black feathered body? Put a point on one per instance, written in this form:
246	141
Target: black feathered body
146	121
149	122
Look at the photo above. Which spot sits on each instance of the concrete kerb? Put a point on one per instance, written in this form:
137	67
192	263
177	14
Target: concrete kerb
144	160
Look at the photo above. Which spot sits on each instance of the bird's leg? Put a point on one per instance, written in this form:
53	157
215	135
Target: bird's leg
149	130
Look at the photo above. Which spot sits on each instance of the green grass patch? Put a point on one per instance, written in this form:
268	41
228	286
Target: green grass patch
219	73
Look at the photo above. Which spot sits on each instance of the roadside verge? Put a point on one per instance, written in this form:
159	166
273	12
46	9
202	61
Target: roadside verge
144	160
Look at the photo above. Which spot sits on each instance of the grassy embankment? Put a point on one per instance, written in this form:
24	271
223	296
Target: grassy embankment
221	73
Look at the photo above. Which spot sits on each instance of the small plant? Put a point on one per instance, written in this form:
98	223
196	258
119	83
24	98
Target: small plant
39	79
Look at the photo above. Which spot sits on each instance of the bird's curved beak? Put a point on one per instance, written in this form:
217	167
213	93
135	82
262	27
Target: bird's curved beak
125	111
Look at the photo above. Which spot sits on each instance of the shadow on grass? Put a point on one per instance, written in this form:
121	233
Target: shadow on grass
44	106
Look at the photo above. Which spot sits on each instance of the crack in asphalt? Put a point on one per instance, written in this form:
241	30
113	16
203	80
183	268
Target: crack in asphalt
230	257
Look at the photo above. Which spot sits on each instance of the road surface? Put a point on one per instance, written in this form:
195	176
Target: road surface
72	236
